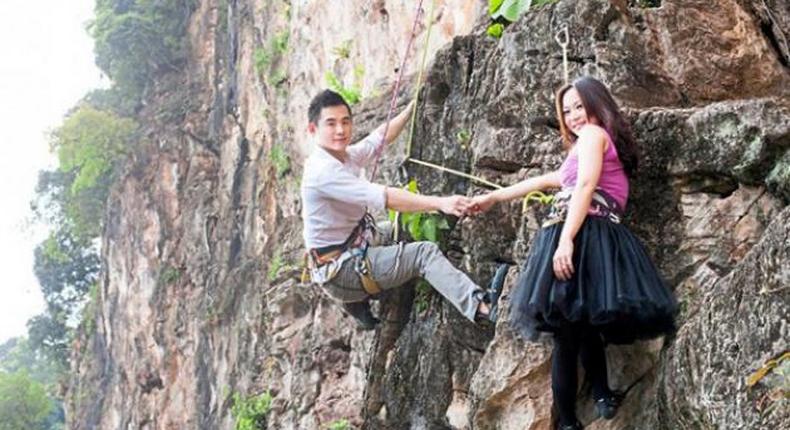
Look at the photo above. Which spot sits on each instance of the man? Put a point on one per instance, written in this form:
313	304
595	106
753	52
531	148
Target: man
338	228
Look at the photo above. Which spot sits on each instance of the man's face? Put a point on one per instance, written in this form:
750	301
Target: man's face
333	129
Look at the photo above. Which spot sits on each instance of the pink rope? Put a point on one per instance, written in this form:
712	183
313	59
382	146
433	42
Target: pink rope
394	99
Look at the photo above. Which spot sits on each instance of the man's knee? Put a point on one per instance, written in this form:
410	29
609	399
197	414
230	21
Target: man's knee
429	248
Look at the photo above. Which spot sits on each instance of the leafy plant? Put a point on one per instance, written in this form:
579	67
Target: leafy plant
169	275
463	137
422	295
339	425
506	12
495	30
278	78
266	57
421	226
275	265
343	50
262	59
280	160
250	412
280	42
353	94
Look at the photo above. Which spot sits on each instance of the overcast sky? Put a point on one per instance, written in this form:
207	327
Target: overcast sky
46	66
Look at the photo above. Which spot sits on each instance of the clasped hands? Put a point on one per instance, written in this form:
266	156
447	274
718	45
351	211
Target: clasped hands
562	260
466	206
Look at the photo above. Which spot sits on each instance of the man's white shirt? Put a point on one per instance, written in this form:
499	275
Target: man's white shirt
335	195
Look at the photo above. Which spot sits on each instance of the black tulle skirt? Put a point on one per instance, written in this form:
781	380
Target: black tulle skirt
615	287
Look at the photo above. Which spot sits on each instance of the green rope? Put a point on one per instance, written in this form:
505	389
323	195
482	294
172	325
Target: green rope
419	80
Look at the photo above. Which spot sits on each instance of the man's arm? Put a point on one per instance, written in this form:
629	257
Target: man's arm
396	124
404	201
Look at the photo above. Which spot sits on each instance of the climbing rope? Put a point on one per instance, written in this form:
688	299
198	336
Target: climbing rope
535	196
394	98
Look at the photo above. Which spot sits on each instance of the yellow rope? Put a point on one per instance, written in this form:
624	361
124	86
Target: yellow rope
536	196
454	172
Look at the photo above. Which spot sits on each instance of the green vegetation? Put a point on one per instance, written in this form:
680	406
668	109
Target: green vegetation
250	412
136	40
89	143
506	12
24	403
422	295
421	226
275	265
343	51
267	57
351	94
339	425
29	384
464	137
280	160
168	275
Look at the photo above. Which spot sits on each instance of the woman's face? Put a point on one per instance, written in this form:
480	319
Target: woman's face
573	112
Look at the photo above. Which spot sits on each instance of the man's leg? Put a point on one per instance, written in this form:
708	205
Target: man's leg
394	265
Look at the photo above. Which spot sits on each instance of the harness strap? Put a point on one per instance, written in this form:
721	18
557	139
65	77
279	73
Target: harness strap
325	262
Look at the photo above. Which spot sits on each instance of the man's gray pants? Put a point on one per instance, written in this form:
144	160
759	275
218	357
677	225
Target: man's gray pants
394	265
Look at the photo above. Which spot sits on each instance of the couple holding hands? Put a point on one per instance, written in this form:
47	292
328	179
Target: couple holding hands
587	280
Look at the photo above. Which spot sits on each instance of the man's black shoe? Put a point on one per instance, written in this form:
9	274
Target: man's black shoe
575	426
362	314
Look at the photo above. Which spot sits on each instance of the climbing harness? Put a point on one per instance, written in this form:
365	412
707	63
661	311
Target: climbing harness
325	263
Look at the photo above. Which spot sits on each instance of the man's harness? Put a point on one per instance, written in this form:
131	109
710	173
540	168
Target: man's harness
324	263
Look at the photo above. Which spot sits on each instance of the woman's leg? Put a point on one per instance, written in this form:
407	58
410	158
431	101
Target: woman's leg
594	361
564	374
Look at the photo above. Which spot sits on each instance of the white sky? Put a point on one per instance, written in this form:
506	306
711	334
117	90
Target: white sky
46	66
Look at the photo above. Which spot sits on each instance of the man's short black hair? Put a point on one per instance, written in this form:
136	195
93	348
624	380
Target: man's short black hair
326	98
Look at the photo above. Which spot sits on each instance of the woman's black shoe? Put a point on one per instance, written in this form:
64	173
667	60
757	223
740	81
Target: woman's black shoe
575	426
607	406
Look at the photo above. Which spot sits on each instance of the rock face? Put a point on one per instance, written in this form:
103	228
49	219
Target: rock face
200	301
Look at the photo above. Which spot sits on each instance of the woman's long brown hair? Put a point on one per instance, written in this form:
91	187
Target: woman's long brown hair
599	103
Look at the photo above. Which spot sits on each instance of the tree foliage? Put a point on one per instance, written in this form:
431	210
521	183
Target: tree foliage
17	357
89	143
138	39
24	404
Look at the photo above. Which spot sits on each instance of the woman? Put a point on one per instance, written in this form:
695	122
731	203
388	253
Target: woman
587	279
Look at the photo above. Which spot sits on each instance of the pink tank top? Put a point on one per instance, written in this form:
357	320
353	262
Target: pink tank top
613	179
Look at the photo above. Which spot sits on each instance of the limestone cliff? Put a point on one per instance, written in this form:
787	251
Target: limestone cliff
199	296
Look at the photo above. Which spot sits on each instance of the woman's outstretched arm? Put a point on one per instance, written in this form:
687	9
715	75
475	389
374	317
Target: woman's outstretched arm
537	183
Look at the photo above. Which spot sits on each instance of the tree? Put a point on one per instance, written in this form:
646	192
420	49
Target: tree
24	404
138	39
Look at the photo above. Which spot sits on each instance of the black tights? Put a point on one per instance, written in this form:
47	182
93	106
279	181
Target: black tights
569	343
